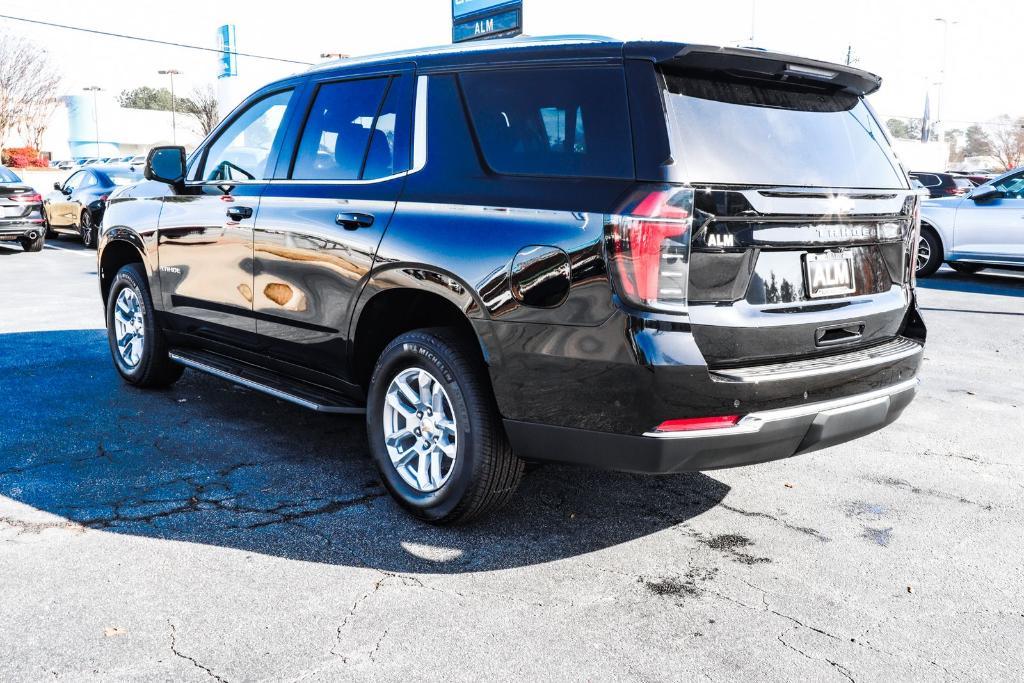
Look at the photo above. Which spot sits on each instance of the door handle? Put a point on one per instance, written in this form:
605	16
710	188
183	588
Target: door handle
237	213
354	221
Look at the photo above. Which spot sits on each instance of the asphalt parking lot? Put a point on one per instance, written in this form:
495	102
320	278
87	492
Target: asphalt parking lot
208	532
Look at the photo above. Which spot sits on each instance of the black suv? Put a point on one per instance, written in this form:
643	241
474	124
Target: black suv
651	257
943	184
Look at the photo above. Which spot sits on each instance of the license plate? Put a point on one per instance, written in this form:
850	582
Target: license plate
11	211
829	274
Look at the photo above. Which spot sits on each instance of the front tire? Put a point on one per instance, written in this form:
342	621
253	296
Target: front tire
434	429
966	268
929	253
137	344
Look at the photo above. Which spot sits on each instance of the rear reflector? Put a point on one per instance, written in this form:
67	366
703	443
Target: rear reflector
692	424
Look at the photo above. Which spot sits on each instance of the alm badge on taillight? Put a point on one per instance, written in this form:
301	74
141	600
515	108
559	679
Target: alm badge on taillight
648	247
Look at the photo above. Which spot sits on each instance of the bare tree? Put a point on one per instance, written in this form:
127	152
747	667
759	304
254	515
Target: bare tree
1007	136
202	106
36	120
28	79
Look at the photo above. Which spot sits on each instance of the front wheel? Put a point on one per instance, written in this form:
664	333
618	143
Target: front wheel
929	253
434	429
137	344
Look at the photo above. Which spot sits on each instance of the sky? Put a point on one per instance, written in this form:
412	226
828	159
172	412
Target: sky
897	39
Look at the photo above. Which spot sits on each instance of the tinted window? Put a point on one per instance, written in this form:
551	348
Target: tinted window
927	179
559	122
121	179
1012	185
348	134
762	134
8	176
71	184
963	183
242	150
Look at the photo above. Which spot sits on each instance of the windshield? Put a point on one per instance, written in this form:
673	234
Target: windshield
741	133
8	176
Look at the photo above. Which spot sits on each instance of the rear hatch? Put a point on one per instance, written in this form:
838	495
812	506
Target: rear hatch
800	217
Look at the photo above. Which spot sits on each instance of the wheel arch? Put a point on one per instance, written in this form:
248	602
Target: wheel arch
404	298
120	247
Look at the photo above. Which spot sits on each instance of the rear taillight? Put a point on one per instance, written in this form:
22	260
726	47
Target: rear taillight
648	248
27	198
104	197
693	424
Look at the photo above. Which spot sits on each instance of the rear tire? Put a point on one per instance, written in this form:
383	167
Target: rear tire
88	230
140	354
484	472
929	252
966	268
33	245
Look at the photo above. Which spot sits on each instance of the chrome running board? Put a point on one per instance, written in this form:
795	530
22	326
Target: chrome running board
311	396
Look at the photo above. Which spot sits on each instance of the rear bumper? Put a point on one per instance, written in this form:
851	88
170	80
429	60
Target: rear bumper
759	437
17	230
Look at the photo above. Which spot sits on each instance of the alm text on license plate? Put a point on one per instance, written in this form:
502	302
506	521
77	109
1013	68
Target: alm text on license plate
829	274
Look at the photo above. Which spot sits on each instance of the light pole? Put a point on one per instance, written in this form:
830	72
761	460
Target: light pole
946	23
174	114
95	114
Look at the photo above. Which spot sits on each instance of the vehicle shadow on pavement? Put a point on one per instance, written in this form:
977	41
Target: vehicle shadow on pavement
1001	283
207	462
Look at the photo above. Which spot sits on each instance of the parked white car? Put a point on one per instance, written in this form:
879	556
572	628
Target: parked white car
984	228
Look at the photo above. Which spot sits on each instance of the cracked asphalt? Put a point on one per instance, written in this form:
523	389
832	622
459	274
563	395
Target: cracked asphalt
208	532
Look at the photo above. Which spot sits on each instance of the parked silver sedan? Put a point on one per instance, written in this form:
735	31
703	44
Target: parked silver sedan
984	228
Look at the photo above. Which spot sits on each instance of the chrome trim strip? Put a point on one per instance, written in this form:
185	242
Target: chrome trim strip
895	350
755	421
419	126
263	388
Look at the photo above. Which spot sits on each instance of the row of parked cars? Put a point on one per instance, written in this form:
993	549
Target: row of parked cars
74	207
69	164
949	183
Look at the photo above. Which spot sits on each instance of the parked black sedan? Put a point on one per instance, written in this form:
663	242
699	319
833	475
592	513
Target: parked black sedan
76	207
21	212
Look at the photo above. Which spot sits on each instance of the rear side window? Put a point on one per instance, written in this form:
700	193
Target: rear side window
552	122
350	132
927	179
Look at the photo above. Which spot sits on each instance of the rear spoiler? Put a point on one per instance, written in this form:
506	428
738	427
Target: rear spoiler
747	63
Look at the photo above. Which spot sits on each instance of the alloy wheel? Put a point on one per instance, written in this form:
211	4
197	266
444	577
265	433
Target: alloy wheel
924	252
129	327
420	431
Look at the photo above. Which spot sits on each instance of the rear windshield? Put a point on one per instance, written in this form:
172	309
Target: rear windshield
743	133
121	179
8	176
552	121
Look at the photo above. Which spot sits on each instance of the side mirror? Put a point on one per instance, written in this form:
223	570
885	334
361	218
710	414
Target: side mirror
987	193
166	165
56	185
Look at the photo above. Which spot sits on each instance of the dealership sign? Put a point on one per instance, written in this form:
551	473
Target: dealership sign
226	45
477	19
